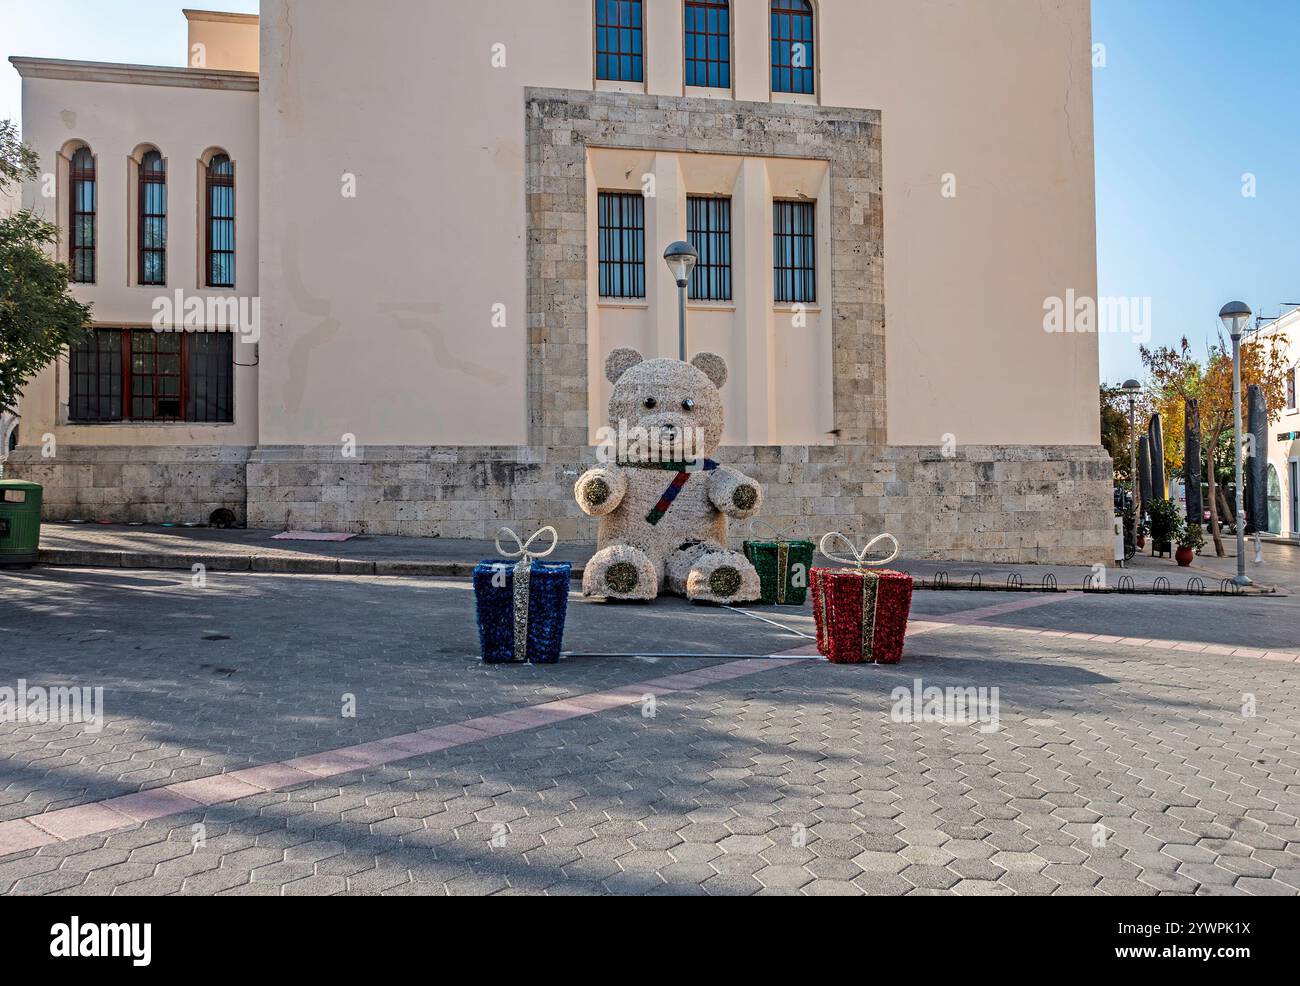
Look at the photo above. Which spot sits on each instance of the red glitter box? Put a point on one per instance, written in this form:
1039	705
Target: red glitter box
861	615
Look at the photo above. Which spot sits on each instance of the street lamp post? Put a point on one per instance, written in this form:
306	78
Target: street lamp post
680	257
1132	388
1235	315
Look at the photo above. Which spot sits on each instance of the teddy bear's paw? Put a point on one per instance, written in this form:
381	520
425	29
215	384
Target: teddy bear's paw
620	572
722	577
600	491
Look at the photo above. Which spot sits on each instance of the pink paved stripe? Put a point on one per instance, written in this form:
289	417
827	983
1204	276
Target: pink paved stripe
34	831
87	819
20	835
998	609
155	803
1189	646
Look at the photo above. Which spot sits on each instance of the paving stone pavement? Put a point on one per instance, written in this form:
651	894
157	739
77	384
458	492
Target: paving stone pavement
1114	770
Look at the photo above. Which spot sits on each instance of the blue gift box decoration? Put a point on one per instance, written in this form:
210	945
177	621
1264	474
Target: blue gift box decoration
522	603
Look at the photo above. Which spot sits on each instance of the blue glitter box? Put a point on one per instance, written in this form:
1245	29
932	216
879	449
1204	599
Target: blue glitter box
521	618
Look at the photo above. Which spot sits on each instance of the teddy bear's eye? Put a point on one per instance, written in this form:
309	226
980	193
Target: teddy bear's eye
687	404
650	402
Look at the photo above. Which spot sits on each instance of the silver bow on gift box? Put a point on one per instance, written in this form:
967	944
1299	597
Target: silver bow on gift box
859	559
523	550
861	563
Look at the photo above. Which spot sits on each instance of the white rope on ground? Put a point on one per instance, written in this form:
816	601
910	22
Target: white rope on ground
798	633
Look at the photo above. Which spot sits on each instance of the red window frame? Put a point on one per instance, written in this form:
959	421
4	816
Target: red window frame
217	180
150	177
80	256
620	40
144	349
707	21
793	22
135	389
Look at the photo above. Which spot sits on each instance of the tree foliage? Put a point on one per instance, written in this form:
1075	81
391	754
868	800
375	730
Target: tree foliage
1177	376
38	316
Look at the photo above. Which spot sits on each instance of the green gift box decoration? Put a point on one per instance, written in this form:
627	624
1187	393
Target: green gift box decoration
782	564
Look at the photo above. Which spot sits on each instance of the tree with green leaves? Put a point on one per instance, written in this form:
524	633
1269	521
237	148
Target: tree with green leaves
38	315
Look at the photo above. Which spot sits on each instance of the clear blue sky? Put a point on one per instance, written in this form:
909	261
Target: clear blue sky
1194	94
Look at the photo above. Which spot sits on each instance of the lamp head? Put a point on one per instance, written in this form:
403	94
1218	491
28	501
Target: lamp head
1235	315
680	257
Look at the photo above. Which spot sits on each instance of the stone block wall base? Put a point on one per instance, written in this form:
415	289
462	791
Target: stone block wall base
1007	504
146	484
995	503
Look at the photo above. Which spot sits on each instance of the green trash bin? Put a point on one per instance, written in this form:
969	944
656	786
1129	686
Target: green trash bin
20	521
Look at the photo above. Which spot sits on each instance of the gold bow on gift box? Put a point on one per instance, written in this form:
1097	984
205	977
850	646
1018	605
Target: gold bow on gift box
782	539
523	569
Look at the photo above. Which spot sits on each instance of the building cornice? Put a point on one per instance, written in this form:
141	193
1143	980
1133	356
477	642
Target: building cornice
219	16
139	75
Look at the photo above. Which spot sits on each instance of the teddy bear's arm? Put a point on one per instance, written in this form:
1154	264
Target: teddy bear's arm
599	491
734	493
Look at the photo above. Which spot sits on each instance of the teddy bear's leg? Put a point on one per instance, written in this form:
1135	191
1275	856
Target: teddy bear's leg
620	571
678	565
722	576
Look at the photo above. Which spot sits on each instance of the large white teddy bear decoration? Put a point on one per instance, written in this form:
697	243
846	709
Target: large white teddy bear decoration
663	524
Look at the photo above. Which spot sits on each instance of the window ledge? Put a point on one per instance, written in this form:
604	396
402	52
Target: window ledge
612	85
707	92
622	303
711	306
69	423
811	307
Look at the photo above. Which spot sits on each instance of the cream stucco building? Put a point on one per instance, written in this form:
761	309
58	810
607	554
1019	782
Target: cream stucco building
411	231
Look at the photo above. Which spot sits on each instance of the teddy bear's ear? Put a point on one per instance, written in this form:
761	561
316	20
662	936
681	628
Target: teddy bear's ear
619	361
713	366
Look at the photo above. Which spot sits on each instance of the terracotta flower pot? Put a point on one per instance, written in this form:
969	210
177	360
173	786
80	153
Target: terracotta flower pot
1142	540
1184	556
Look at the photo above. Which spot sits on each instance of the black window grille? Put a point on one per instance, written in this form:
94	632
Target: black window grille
794	242
708	43
95	377
620	55
82	215
708	228
143	375
221	222
621	232
153	219
792	46
210	362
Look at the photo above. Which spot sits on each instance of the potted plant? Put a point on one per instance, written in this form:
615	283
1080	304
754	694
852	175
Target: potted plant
1166	526
1190	541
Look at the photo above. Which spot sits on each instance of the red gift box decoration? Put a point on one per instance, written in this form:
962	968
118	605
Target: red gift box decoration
860	613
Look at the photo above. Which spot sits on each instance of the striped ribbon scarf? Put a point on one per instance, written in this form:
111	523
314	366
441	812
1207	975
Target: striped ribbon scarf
684	472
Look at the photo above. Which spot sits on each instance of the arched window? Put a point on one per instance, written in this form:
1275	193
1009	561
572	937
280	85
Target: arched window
153	219
707	43
792	46
221	222
620	53
81	216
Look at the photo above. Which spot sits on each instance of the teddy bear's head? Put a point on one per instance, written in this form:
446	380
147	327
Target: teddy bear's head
675	397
